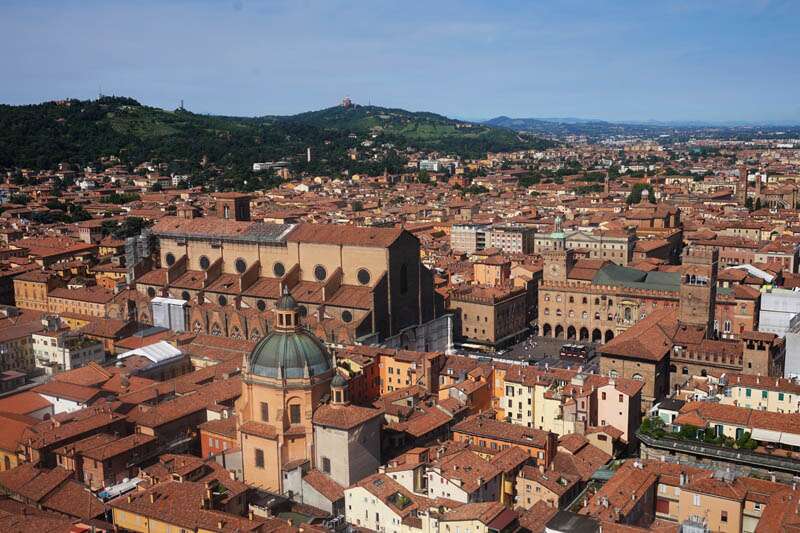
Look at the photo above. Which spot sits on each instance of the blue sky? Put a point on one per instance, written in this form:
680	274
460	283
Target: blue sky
608	59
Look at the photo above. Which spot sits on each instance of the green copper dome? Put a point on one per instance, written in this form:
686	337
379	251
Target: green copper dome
289	355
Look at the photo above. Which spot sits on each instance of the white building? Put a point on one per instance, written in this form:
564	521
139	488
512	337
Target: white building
468	238
791	365
778	308
379	503
464	477
57	349
511	238
170	313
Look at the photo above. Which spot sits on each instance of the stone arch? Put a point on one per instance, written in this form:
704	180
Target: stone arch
547	330
584	334
558	332
609	335
571	333
597	335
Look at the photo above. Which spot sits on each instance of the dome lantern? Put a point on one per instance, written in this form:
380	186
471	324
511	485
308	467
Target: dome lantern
287	312
340	392
289	351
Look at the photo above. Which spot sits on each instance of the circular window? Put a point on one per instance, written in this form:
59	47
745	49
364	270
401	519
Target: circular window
262	305
320	273
204	262
347	316
241	266
151	292
186	296
170	259
303	310
363	276
278	269
222	300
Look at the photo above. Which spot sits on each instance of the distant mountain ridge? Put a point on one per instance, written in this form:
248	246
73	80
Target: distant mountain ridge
596	130
523	123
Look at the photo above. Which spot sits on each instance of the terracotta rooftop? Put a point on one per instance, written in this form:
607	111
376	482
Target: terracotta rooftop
481	426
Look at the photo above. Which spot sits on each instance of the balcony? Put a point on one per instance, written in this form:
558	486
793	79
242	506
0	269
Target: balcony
718	453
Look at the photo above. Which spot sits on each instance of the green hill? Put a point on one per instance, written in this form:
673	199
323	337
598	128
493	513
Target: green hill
80	132
427	131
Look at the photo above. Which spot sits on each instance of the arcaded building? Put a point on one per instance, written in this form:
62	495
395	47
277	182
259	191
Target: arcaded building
596	300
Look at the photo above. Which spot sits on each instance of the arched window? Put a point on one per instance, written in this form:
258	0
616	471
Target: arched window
186	296
278	269
363	276
241	265
204	262
347	316
170	259
638	377
222	300
685	370
261	305
627	313
320	273
151	292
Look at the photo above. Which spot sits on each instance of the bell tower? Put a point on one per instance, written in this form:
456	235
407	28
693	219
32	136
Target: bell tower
698	288
557	264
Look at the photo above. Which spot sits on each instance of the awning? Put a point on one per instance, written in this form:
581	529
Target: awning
792	439
766	435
